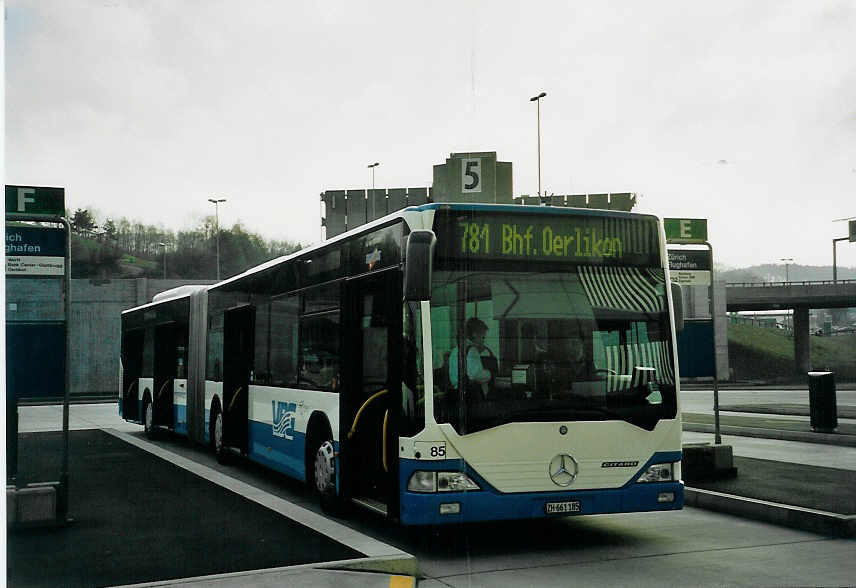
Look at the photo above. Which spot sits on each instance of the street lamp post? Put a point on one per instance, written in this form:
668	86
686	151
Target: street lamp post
372	167
788	261
164	258
537	100
835	258
851	219
216	202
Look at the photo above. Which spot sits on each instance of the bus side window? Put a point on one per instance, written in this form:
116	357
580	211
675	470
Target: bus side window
283	341
319	353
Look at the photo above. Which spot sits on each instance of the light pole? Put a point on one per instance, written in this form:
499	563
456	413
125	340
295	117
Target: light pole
537	101
164	258
216	202
787	260
835	243
372	167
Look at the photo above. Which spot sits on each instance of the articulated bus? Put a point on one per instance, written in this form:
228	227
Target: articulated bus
338	365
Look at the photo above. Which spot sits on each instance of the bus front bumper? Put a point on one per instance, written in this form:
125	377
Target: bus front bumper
488	504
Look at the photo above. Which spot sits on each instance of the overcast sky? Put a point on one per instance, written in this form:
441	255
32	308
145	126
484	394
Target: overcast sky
743	113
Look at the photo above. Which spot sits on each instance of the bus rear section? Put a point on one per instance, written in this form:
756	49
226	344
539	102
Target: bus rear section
572	408
155	356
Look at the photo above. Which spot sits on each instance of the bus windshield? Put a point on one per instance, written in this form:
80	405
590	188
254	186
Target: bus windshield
569	343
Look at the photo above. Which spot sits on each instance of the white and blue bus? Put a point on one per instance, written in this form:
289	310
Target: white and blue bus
338	365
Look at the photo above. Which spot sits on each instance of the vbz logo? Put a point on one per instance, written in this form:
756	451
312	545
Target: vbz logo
283	419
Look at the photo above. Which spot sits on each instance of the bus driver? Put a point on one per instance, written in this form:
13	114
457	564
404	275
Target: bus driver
481	363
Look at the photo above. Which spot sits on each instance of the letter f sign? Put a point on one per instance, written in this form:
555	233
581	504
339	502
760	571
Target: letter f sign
24	196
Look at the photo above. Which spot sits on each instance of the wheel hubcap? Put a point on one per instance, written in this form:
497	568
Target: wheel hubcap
149	416
325	468
218	432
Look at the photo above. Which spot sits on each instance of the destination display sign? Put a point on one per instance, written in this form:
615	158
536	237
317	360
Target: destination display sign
546	237
35	251
690	267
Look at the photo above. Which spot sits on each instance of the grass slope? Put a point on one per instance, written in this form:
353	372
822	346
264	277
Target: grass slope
758	353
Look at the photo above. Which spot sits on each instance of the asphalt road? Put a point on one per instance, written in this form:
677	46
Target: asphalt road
689	547
702	400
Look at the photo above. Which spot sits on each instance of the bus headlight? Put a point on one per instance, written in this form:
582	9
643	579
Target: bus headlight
423	481
455	482
659	472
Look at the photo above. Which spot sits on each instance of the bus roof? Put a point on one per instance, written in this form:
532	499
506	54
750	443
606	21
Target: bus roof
529	209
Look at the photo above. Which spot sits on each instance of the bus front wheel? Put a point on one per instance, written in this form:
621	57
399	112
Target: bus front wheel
217	435
149	417
321	470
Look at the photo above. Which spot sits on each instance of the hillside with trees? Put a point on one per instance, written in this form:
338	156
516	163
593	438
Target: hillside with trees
123	248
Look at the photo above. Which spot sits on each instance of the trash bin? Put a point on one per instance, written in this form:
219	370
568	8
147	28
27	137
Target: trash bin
821	399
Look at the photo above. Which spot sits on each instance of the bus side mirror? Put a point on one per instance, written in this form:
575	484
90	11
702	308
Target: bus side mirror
418	264
678	307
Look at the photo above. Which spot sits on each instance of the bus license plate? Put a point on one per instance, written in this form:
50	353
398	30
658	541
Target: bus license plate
563	507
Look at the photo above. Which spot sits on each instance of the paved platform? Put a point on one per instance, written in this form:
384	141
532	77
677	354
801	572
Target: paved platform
141	518
767	491
787	473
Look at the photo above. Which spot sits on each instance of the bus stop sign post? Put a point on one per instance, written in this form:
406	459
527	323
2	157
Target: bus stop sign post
41	204
693	231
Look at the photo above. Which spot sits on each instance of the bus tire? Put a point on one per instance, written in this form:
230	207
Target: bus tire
321	468
217	434
149	417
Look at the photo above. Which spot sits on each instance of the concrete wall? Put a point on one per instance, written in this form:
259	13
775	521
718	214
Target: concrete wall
720	329
96	307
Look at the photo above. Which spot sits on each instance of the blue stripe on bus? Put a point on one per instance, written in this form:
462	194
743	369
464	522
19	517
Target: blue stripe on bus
179	417
490	504
286	456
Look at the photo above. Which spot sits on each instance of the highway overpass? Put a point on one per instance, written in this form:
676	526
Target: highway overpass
799	296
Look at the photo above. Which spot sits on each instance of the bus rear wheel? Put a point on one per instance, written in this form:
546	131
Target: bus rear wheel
149	418
217	435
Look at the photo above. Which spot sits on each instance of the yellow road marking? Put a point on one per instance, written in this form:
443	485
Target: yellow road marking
401	582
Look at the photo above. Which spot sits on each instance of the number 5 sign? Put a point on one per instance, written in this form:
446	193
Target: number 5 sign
471	175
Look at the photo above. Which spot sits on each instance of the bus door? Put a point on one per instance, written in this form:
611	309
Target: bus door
132	370
373	389
164	373
238	328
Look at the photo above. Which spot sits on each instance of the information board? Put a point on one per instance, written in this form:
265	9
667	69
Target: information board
34	251
690	267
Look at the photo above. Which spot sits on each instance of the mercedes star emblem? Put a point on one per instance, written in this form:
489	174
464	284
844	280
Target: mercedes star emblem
563	469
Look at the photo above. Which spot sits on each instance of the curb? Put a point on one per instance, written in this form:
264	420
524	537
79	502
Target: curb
779	434
806	519
301	575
